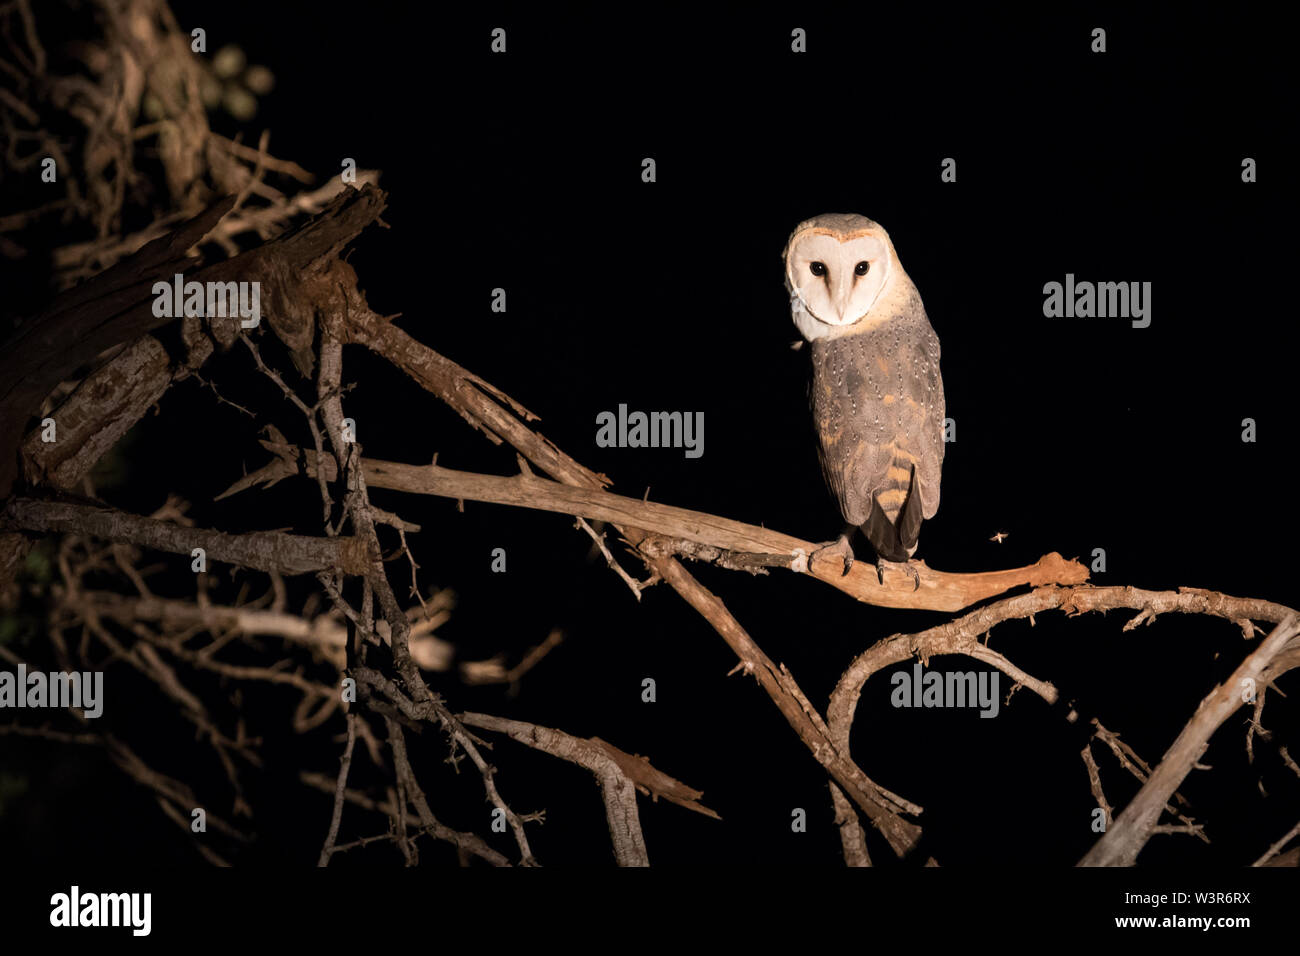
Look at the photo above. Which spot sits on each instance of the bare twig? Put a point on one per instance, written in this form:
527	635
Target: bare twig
1276	848
345	764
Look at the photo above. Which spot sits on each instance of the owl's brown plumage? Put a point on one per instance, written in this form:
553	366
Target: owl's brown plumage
877	396
877	402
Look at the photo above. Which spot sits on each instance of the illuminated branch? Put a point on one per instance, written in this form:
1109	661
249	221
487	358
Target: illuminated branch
677	530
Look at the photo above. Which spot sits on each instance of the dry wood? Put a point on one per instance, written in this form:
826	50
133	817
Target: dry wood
116	306
616	789
470	843
853	842
939	591
113	307
655	782
106	404
1126	837
263	550
963	636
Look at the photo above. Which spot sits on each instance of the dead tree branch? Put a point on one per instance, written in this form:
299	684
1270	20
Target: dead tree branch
744	544
263	550
1133	827
618	792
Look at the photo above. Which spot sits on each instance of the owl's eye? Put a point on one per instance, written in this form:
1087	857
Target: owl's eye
861	268
817	268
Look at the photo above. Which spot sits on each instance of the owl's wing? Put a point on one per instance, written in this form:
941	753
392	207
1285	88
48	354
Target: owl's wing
924	424
853	435
878	406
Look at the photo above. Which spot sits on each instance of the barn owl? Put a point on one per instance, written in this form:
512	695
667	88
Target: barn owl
877	398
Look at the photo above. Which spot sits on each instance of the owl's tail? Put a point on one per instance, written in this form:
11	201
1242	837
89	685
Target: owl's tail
894	525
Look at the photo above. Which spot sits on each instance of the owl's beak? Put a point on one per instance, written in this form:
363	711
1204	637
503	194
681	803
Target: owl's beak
840	302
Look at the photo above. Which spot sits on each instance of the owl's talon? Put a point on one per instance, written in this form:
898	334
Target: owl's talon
907	567
840	548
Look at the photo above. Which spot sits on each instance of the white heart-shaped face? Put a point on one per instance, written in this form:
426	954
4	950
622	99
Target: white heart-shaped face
837	282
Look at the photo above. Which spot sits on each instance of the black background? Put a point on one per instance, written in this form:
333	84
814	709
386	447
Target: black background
522	171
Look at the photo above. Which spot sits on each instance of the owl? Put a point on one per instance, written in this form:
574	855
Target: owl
877	398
